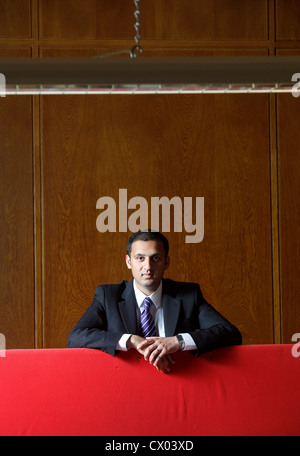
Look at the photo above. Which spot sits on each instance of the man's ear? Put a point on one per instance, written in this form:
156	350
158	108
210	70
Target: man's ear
128	263
167	262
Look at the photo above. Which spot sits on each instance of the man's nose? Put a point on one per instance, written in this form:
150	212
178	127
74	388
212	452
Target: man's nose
147	263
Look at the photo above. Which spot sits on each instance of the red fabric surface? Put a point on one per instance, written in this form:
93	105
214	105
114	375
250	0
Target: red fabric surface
242	390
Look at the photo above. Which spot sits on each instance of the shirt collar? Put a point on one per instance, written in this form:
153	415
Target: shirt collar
155	296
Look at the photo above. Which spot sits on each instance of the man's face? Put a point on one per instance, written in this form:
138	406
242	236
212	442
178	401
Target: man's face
148	263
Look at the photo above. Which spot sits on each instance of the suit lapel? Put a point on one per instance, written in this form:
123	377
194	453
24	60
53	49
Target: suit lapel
171	309
127	307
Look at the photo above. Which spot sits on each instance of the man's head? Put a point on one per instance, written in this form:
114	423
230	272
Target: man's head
147	257
148	235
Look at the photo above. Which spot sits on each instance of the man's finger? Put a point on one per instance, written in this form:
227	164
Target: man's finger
155	355
163	364
145	343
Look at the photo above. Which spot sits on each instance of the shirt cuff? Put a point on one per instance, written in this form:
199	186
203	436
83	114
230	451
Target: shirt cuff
122	344
188	341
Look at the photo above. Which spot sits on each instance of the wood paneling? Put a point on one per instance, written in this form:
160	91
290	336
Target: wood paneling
202	21
15	19
289	193
17	217
158	146
287	20
222	147
16	223
160	20
7	51
91	20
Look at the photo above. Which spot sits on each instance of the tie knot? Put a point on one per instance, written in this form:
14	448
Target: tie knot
148	303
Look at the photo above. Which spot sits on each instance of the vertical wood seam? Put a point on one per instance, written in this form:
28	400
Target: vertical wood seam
272	28
38	310
274	188
275	220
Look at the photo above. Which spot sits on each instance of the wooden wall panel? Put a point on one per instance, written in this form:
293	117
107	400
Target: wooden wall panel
287	20
12	51
16	223
289	193
289	196
17	312
158	146
212	146
91	20
202	21
15	19
160	20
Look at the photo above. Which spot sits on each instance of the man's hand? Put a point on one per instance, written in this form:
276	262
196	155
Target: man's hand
164	364
158	349
134	341
146	347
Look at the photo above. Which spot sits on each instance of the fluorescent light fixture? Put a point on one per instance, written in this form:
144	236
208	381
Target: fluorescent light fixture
147	75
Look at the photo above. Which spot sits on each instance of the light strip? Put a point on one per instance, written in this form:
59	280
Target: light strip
150	75
143	89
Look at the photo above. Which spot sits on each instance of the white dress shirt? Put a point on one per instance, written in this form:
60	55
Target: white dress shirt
158	316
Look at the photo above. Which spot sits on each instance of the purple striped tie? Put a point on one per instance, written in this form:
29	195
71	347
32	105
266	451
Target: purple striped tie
147	322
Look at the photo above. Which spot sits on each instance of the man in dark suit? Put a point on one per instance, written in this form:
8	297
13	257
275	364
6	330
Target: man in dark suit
176	317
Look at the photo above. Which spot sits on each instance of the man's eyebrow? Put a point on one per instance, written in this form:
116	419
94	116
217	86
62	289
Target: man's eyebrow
144	254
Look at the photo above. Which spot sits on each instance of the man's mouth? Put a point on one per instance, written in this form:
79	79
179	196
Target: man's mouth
147	275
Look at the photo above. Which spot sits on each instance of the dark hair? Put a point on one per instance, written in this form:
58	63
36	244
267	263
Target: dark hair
148	235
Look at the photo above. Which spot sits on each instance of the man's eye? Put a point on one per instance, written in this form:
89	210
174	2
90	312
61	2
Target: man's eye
140	258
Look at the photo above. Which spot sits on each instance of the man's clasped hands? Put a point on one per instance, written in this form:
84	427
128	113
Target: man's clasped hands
156	350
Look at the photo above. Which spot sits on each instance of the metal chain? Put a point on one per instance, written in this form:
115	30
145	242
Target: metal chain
137	23
137	29
137	38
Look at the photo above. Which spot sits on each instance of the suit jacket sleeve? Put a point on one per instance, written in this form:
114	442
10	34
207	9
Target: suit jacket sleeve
214	330
93	329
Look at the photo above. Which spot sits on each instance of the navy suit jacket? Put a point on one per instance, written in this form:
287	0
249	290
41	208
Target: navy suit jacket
113	313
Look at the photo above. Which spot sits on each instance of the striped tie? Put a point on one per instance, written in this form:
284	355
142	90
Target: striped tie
147	322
